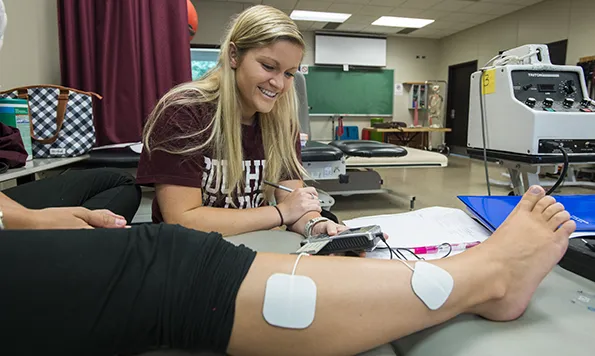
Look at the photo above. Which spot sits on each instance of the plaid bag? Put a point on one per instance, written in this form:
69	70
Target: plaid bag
61	119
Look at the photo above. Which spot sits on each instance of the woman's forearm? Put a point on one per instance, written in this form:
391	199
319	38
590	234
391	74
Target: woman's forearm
229	222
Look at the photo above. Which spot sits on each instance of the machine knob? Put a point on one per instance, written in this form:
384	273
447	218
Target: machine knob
548	102
568	103
530	102
568	87
527	87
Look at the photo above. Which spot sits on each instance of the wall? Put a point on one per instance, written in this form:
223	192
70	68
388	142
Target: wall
401	56
31	49
545	22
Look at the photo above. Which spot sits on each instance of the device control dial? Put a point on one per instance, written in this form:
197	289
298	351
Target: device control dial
568	87
530	102
548	102
568	103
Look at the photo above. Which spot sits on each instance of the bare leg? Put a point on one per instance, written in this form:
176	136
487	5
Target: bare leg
364	303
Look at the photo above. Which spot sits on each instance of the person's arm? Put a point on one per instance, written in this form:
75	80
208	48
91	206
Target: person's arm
6	202
183	206
328	227
17	217
281	195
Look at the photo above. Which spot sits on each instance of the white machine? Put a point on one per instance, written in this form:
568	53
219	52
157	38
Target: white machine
528	102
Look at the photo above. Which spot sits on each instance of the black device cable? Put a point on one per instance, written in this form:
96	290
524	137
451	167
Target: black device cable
483	132
564	168
399	255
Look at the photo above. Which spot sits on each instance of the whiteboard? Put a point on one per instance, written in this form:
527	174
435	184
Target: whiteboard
357	51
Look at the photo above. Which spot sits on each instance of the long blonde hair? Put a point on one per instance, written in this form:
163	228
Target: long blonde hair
256	27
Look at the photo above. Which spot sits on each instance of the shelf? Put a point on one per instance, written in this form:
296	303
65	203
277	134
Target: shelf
414	83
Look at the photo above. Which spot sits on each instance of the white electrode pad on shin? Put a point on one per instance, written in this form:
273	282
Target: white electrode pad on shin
431	284
289	301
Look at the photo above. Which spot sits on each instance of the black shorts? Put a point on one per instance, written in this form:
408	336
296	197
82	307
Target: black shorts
109	292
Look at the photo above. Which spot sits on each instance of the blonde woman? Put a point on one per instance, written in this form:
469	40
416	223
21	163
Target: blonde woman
210	144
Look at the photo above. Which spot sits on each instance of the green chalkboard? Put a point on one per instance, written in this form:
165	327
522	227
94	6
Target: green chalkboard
357	91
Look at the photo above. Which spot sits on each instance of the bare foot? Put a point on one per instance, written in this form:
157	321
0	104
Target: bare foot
530	243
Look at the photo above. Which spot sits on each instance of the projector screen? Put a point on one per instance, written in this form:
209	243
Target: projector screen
357	51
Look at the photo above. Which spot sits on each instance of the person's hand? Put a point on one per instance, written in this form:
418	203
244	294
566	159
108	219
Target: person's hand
74	218
298	203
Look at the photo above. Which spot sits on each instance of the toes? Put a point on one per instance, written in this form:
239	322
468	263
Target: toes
552	210
543	204
566	229
559	219
531	197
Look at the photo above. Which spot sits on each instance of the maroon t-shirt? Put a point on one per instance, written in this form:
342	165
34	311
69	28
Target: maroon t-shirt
199	169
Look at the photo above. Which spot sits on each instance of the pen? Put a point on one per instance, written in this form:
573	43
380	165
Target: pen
443	248
282	187
278	186
590	246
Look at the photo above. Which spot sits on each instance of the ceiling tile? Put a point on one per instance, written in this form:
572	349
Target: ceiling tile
461	17
345	8
392	3
313	5
527	2
317	26
304	25
504	1
481	8
281	4
433	14
354	27
427	31
451	5
420	4
504	9
372	10
399	11
287	11
359	2
444	24
481	18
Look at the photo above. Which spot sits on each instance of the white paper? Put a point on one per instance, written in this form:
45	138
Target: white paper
425	227
304	68
398	89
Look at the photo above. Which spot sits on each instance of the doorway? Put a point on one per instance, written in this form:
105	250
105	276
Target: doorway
558	52
457	118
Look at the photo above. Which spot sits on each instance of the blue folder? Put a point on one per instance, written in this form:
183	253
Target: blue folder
493	210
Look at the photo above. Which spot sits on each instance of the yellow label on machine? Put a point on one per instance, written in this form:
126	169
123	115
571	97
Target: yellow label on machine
489	82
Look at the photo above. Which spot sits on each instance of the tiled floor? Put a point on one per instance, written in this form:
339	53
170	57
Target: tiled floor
430	186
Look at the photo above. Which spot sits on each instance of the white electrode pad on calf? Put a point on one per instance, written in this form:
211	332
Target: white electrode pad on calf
289	300
431	284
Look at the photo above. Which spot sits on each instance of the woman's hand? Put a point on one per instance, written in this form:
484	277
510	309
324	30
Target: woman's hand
298	203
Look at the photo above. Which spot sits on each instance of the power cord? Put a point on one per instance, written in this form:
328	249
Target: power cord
564	168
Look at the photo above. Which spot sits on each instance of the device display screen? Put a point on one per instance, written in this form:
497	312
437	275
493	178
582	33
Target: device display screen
546	88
